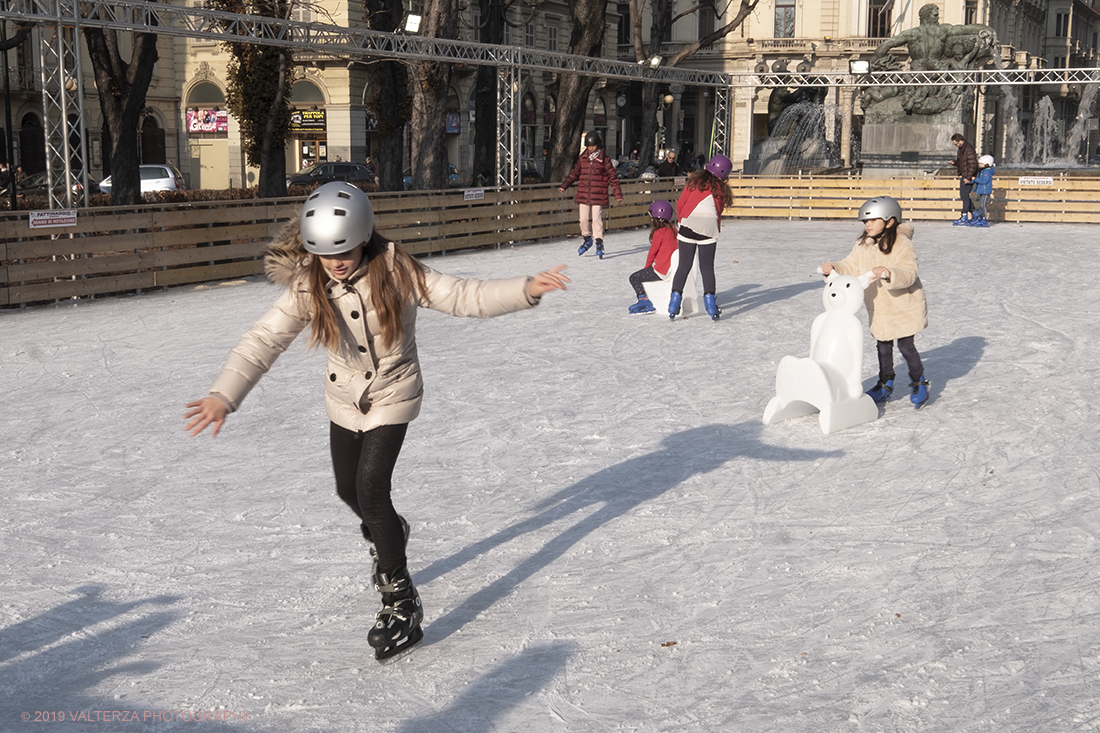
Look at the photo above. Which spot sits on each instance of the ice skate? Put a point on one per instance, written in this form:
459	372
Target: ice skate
644	305
920	392
599	248
711	305
881	392
674	302
397	626
585	246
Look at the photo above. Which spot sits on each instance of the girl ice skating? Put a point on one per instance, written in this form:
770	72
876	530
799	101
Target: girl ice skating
700	209
662	249
359	293
895	302
593	173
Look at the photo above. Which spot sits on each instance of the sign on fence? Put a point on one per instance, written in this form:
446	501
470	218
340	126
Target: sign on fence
473	194
1036	181
55	218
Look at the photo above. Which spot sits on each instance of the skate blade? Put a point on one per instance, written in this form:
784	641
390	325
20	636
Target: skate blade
389	654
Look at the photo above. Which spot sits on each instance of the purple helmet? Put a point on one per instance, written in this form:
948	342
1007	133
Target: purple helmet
720	166
661	210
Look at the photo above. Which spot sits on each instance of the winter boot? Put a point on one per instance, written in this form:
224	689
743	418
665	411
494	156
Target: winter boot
642	306
920	392
674	302
599	248
585	246
397	626
881	391
711	306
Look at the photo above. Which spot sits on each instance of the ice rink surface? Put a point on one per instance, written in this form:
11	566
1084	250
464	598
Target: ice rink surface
604	534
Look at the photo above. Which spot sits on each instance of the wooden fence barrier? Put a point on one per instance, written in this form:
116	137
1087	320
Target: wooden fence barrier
130	249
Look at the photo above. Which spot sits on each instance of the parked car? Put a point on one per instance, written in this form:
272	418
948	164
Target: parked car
319	173
154	177
452	176
36	185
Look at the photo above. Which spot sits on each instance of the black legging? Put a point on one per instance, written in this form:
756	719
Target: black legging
364	463
645	275
706	265
908	350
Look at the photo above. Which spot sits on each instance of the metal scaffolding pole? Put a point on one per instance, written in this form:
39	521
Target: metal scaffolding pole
63	108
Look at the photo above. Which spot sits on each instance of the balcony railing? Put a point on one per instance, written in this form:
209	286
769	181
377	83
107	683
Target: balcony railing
24	79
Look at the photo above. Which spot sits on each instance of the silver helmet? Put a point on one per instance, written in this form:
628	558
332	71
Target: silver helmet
880	207
336	218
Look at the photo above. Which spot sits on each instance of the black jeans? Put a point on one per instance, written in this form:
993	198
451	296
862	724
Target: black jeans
364	463
908	350
964	195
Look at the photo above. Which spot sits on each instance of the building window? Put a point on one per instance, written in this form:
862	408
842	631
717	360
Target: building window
706	20
624	25
880	18
970	15
529	35
476	35
1061	25
551	38
784	18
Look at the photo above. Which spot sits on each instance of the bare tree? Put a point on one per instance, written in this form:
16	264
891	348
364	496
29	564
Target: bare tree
122	86
661	21
586	39
258	94
387	99
431	80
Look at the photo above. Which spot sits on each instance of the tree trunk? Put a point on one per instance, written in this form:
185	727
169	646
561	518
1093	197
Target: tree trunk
122	88
387	100
485	97
272	183
651	100
589	25
431	81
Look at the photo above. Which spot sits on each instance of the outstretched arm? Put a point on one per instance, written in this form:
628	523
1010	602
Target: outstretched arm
548	280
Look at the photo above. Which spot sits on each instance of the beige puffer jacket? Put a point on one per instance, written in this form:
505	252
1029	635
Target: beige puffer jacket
366	384
895	309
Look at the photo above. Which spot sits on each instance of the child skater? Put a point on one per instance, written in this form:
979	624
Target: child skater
895	301
700	208
983	186
359	292
593	173
662	248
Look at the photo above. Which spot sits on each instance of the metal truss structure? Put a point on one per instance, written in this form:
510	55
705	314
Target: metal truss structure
62	77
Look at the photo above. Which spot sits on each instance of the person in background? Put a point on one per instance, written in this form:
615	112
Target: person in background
669	167
966	165
593	173
659	261
983	186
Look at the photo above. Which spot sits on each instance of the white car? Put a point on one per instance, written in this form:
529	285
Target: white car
154	177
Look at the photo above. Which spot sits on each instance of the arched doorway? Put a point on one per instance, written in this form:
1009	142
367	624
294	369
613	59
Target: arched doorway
308	125
207	137
32	144
152	141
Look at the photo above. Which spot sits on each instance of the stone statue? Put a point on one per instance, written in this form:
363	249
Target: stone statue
932	46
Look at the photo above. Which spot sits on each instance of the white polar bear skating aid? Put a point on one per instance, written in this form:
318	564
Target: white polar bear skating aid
829	381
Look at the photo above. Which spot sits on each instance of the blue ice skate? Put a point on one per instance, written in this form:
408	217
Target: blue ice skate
644	305
599	248
711	305
585	246
881	391
920	392
674	302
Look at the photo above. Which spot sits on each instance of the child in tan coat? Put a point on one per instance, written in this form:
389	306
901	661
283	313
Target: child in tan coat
895	301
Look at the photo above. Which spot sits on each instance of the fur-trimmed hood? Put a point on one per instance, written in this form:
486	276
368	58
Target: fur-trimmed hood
286	257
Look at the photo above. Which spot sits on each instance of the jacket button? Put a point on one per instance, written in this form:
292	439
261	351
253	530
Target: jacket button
355	314
362	349
368	375
332	377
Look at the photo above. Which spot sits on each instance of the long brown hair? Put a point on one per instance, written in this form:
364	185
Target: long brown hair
886	240
655	225
390	290
704	180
